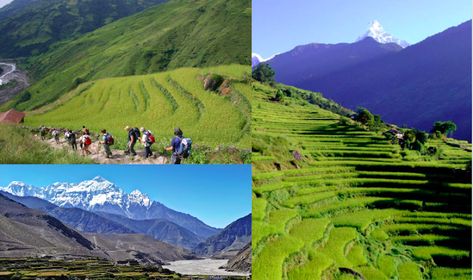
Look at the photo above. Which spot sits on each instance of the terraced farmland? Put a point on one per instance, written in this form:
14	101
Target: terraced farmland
47	268
334	201
158	102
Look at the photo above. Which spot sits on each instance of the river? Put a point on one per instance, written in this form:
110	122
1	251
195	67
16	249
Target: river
201	267
10	69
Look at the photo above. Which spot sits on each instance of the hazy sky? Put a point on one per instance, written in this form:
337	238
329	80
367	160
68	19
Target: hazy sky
4	2
280	25
216	194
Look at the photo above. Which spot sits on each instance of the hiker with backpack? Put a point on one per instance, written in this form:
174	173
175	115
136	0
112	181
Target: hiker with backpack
107	141
55	134
85	142
84	131
180	147
43	131
147	140
71	138
133	136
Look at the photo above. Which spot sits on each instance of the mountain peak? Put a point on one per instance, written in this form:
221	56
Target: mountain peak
17	183
136	192
376	27
138	197
99	179
377	32
20	188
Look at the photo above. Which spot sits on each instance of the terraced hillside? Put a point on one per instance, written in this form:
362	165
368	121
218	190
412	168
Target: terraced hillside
175	34
334	201
159	102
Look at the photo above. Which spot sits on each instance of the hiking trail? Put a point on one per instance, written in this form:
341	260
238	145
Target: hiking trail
98	154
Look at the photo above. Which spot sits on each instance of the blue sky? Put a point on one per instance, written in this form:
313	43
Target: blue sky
280	25
216	194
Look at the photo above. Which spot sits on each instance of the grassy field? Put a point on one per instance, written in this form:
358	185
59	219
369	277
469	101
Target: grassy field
19	146
332	200
176	34
45	268
160	102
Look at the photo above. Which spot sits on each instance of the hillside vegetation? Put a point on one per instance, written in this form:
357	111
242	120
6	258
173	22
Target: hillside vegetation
30	27
332	200
178	33
159	102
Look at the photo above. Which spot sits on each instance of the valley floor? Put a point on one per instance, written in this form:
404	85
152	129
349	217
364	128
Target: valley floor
31	268
12	81
201	267
39	268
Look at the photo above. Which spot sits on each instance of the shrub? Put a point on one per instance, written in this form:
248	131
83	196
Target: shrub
364	116
263	73
279	96
444	128
77	81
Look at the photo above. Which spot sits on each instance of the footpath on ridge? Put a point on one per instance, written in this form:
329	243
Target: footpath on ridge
118	156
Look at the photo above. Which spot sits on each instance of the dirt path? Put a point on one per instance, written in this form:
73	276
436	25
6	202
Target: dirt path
98	154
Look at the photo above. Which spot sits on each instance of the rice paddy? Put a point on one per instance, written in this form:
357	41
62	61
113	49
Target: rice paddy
332	200
159	102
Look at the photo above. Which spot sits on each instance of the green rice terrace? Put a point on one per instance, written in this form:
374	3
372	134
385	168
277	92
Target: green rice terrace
332	200
210	105
47	268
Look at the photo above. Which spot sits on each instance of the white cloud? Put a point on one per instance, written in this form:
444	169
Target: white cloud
4	2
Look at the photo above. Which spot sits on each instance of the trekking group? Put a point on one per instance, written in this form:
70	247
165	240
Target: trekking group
180	147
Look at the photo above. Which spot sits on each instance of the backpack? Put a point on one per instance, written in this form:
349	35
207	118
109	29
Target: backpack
87	140
151	138
185	147
136	132
109	140
71	138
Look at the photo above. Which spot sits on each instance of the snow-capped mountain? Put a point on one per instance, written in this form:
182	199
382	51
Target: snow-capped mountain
376	31
21	189
255	59
101	195
89	194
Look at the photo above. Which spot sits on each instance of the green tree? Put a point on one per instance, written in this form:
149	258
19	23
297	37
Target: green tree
364	116
263	73
409	139
444	128
421	136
